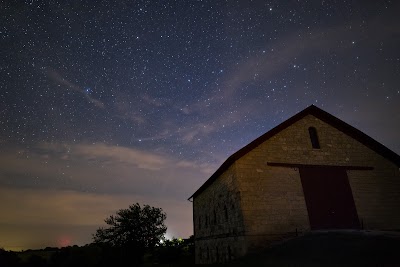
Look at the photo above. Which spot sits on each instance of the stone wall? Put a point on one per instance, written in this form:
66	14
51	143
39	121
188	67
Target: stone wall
272	198
220	249
218	220
377	196
253	204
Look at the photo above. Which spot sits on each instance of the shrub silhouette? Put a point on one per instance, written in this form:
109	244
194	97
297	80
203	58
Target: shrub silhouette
132	232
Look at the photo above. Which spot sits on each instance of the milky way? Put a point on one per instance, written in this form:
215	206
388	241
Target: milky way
108	103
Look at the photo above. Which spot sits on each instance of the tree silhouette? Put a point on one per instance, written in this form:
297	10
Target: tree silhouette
133	230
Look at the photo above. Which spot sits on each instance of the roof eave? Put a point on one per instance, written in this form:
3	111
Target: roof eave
318	113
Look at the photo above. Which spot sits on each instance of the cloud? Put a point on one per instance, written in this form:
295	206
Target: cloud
233	101
113	154
203	167
276	57
165	133
127	110
107	154
198	130
55	76
100	168
185	110
226	105
62	192
40	218
158	102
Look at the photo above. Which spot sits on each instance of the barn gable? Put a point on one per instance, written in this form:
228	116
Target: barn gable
323	116
313	171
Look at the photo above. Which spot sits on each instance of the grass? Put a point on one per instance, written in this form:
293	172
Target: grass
25	255
324	248
330	249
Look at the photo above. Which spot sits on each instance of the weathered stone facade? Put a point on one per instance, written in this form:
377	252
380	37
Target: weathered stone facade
218	220
252	203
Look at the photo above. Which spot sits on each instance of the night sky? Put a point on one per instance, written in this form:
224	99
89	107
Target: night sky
108	103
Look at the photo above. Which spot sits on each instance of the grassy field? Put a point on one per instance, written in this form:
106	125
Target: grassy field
330	249
324	248
25	255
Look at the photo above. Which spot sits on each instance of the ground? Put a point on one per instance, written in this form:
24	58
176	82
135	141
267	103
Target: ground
331	248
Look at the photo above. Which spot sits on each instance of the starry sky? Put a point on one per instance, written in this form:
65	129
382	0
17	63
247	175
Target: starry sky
108	103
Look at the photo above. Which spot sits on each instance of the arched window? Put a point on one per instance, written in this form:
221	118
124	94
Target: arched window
226	213
314	137
215	217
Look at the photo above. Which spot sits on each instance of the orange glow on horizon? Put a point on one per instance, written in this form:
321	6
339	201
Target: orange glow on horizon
64	241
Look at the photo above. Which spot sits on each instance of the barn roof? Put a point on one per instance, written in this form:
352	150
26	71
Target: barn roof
320	114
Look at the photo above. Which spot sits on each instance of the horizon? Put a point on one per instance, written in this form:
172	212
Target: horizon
72	245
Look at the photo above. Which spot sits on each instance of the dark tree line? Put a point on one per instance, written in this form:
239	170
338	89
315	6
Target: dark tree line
133	236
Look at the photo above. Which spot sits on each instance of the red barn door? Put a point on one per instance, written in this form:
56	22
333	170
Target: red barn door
329	199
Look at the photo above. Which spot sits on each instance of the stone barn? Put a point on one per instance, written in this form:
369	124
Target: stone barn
311	172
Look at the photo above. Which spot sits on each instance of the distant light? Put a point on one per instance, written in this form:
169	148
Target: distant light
64	241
